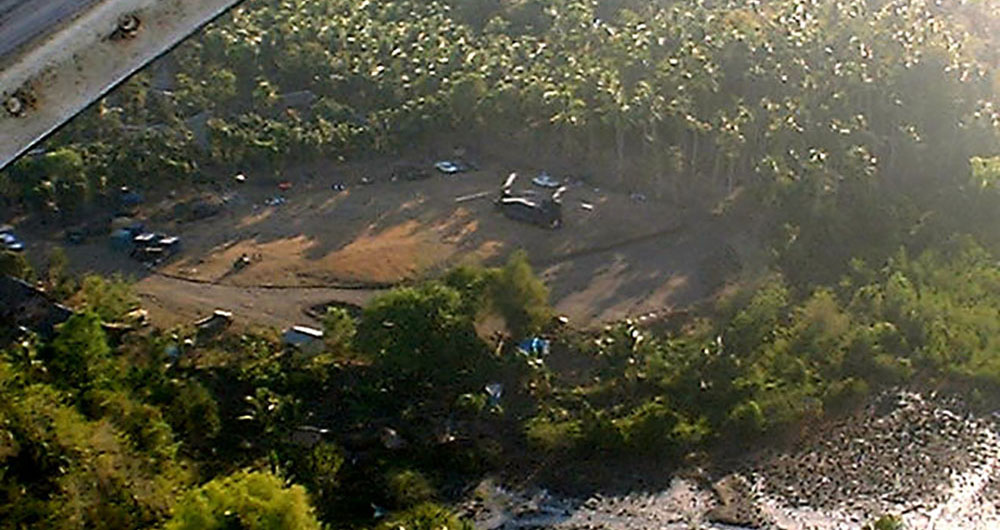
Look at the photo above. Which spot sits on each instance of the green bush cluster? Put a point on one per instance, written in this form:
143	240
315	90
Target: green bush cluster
781	358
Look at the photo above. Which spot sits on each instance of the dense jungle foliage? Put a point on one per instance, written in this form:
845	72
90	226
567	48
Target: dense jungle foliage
861	133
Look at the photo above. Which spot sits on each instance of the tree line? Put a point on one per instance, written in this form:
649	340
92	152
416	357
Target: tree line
861	132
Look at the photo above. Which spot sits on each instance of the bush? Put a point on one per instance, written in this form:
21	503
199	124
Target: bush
551	435
110	298
520	297
408	488
252	501
746	420
887	522
427	516
143	425
846	395
338	329
473	285
599	434
60	284
650	428
319	470
192	412
421	333
14	264
79	356
755	323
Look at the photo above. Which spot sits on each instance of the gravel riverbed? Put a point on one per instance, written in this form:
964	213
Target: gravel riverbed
918	457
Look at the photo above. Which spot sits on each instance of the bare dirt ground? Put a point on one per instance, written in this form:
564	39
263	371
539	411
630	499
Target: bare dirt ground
622	257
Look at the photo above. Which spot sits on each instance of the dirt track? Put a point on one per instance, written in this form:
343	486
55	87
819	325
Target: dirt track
179	301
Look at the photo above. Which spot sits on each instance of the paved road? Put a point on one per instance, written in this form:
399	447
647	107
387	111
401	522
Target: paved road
22	21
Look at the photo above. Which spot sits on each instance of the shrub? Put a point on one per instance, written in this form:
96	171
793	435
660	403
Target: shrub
338	329
192	412
408	488
252	501
552	435
747	420
887	522
79	357
520	297
426	516
110	298
650	428
14	264
421	333
846	395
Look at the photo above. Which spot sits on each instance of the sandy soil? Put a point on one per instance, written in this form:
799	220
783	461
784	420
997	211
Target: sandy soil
623	257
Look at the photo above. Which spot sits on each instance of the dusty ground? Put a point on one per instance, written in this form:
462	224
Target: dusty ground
621	258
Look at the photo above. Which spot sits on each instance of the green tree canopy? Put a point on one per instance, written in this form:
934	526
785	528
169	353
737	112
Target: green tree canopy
421	332
248	500
80	356
520	296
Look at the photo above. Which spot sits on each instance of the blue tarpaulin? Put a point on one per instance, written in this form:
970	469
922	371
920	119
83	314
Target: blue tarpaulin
536	346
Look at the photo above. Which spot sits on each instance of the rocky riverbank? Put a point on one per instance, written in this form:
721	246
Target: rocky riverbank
921	458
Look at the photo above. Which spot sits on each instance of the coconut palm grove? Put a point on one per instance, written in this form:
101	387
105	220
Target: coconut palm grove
854	143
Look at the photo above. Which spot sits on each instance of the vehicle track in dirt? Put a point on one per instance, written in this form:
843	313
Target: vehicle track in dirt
177	299
349	285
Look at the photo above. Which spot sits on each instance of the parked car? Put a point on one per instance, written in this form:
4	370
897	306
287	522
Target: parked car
149	255
147	239
446	167
451	167
9	241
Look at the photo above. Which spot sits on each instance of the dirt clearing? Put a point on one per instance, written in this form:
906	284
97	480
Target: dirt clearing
342	232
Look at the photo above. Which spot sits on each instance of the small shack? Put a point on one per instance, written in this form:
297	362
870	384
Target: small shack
307	436
214	324
171	244
304	339
146	239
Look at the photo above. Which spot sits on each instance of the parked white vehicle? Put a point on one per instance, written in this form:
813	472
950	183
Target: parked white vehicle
10	242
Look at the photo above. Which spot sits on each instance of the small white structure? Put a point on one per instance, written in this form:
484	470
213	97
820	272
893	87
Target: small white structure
303	338
307	436
215	323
